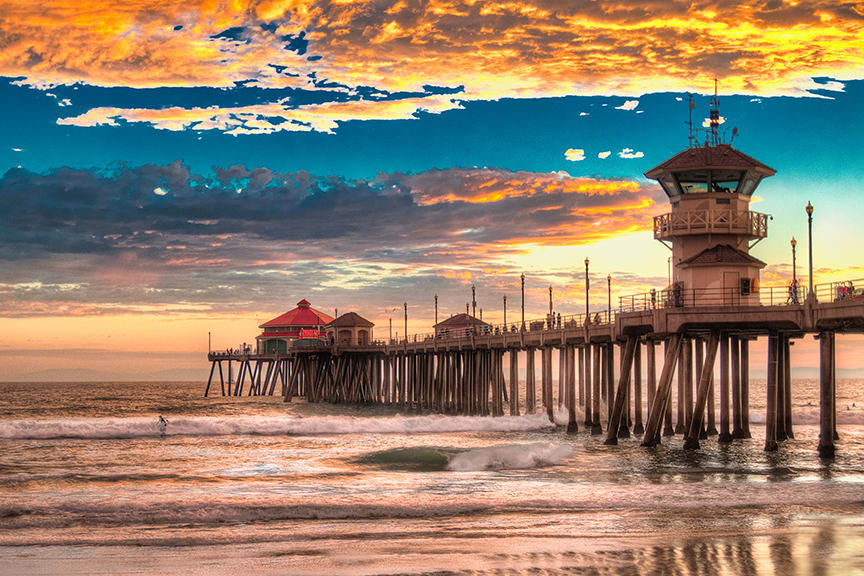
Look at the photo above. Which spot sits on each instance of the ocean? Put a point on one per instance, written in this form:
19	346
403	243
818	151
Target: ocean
90	484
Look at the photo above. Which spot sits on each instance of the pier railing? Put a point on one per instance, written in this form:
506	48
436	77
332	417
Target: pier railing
570	321
679	223
692	297
840	291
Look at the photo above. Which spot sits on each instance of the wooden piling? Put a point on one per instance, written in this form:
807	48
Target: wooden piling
620	397
514	382
651	367
589	405
596	428
688	383
735	347
572	426
530	387
550	407
562	370
660	404
787	394
725	436
781	387
638	428
700	361
745	388
679	413
771	391
691	442
826	395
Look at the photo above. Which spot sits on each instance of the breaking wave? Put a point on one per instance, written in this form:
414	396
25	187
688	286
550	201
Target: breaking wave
509	457
138	427
502	457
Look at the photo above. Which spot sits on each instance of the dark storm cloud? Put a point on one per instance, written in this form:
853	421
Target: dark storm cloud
161	235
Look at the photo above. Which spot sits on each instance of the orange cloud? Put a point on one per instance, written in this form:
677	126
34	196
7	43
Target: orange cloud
495	49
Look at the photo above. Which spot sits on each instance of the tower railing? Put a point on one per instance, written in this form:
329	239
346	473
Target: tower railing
711	220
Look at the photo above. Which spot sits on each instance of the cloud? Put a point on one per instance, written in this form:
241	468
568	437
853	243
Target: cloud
85	242
584	113
706	123
17	150
630	153
604	155
513	49
575	154
628	105
267	118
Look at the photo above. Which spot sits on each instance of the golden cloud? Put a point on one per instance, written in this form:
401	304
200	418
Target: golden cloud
259	119
494	49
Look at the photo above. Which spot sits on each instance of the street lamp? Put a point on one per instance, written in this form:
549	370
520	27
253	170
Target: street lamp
587	289
523	300
505	312
473	300
391	329
809	210
436	309
405	305
550	300
669	271
609	298
794	243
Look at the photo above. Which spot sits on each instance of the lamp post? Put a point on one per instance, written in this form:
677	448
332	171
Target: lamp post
436	309
669	271
209	347
587	289
550	300
391	329
523	300
473	300
405	305
505	312
609	298
809	210
794	243
481	314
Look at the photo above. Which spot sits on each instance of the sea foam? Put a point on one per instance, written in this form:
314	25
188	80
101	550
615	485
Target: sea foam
138	427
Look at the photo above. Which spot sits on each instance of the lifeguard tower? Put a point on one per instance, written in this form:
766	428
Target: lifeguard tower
710	228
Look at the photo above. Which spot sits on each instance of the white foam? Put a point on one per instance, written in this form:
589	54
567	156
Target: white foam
139	427
509	457
810	415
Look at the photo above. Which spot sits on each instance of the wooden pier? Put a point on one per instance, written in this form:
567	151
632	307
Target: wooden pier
467	375
707	316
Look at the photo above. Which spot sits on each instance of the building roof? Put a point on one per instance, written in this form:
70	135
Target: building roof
350	320
719	157
302	315
722	254
459	321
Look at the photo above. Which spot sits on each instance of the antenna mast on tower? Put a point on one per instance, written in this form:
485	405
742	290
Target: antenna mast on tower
690	136
715	117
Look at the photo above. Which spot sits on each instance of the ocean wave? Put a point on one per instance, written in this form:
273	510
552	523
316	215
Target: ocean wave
509	457
501	457
139	427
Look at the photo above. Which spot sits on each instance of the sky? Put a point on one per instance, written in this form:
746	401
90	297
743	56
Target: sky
172	169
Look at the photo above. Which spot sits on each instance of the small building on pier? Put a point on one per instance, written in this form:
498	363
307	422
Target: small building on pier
461	325
350	329
280	331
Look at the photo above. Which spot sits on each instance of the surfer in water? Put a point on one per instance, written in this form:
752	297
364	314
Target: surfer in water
163	425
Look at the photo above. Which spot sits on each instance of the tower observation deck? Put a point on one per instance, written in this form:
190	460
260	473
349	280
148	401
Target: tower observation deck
710	227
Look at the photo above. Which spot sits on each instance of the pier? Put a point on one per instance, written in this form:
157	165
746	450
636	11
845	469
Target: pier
700	325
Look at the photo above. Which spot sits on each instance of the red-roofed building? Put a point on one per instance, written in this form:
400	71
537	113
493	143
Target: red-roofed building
280	331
